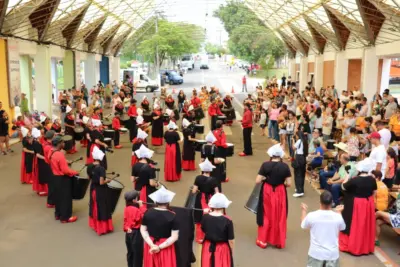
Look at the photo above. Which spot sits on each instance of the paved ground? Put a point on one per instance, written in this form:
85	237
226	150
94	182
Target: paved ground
30	236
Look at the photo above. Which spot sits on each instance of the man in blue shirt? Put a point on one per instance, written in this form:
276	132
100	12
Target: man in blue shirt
319	155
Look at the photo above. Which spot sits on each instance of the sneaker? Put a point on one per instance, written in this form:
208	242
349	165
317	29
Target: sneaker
298	194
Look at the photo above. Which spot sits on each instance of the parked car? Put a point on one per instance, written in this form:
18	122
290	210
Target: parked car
171	77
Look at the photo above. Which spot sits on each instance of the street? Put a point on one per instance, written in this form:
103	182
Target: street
29	235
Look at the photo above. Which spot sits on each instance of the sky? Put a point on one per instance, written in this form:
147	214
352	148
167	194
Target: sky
195	12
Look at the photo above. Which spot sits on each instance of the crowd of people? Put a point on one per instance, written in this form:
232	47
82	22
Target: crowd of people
344	142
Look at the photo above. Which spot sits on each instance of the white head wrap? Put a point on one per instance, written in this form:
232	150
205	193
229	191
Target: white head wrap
168	111
139	111
156	106
42	118
35	133
206	166
145	97
141	134
276	150
85	119
97	154
24	131
54	118
162	195
69	109
219	201
366	165
185	123
96	123
144	152
172	125
191	108
210	138
139	119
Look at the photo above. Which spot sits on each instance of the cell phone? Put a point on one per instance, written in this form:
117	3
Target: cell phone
347	168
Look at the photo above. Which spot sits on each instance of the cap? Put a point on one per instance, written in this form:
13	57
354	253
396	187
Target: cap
49	134
375	135
131	195
57	140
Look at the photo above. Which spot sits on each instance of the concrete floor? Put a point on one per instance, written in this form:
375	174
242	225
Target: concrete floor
29	235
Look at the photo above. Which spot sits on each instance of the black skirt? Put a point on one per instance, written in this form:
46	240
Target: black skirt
103	207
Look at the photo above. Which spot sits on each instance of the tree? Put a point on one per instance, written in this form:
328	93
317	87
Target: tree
214	49
249	38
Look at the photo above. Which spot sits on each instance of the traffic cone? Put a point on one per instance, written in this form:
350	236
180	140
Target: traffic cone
233	90
173	90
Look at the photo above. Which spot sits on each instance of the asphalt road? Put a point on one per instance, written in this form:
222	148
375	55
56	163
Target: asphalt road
29	235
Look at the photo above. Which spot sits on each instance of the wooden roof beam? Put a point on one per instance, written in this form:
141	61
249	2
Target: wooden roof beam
373	19
41	17
326	33
69	32
319	39
90	38
341	31
305	46
3	10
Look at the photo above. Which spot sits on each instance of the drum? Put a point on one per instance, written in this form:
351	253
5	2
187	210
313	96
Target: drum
199	128
106	123
220	160
198	113
166	118
190	199
124	130
252	203
199	144
79	187
108	141
78	133
109	133
222	118
330	144
68	142
230	150
125	119
114	190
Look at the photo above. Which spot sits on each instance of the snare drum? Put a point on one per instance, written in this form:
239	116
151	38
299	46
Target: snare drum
199	144
252	202
108	141
109	133
68	142
199	128
222	118
190	199
230	150
124	130
78	133
106	123
199	113
114	190
79	187
125	119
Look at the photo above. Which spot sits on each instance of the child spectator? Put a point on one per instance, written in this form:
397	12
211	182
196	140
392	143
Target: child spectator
382	192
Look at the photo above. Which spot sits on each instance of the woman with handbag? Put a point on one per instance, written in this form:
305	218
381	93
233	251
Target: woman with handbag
299	163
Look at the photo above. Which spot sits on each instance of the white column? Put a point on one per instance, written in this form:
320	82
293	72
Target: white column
53	67
318	72
90	71
115	70
292	68
341	71
387	62
303	73
43	80
369	73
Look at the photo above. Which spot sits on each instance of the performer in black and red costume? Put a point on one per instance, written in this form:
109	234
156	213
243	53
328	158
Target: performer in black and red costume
172	163
359	211
229	110
205	185
133	215
219	238
272	209
69	123
214	111
132	113
47	148
210	151
188	151
157	127
247	125
221	148
28	155
99	209
116	125
143	174
62	180
41	170
160	231
56	126
97	140
170	102
139	140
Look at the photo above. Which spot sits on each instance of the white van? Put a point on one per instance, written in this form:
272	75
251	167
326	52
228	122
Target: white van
141	80
187	61
204	62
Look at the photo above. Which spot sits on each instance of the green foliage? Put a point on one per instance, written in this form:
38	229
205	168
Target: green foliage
173	40
214	49
249	38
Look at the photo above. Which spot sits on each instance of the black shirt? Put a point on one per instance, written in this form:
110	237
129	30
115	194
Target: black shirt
275	172
144	173
171	137
361	186
95	172
206	184
217	228
160	223
3	126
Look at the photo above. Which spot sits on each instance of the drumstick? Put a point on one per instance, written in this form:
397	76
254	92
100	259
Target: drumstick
84	166
81	158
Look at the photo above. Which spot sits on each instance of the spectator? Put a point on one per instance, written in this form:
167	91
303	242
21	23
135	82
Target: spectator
378	152
382	192
327	124
244	84
391	168
353	144
391	107
385	134
24	106
325	225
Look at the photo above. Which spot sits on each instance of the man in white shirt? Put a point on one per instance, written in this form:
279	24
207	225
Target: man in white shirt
364	108
325	225
378	153
386	135
344	97
327	121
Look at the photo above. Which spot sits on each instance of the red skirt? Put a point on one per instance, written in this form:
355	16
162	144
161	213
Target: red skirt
361	240
189	165
165	258
274	226
157	141
73	150
222	255
170	173
100	227
26	178
36	186
89	159
199	232
134	160
84	142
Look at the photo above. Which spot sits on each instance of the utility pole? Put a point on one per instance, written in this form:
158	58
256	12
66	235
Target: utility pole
157	57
